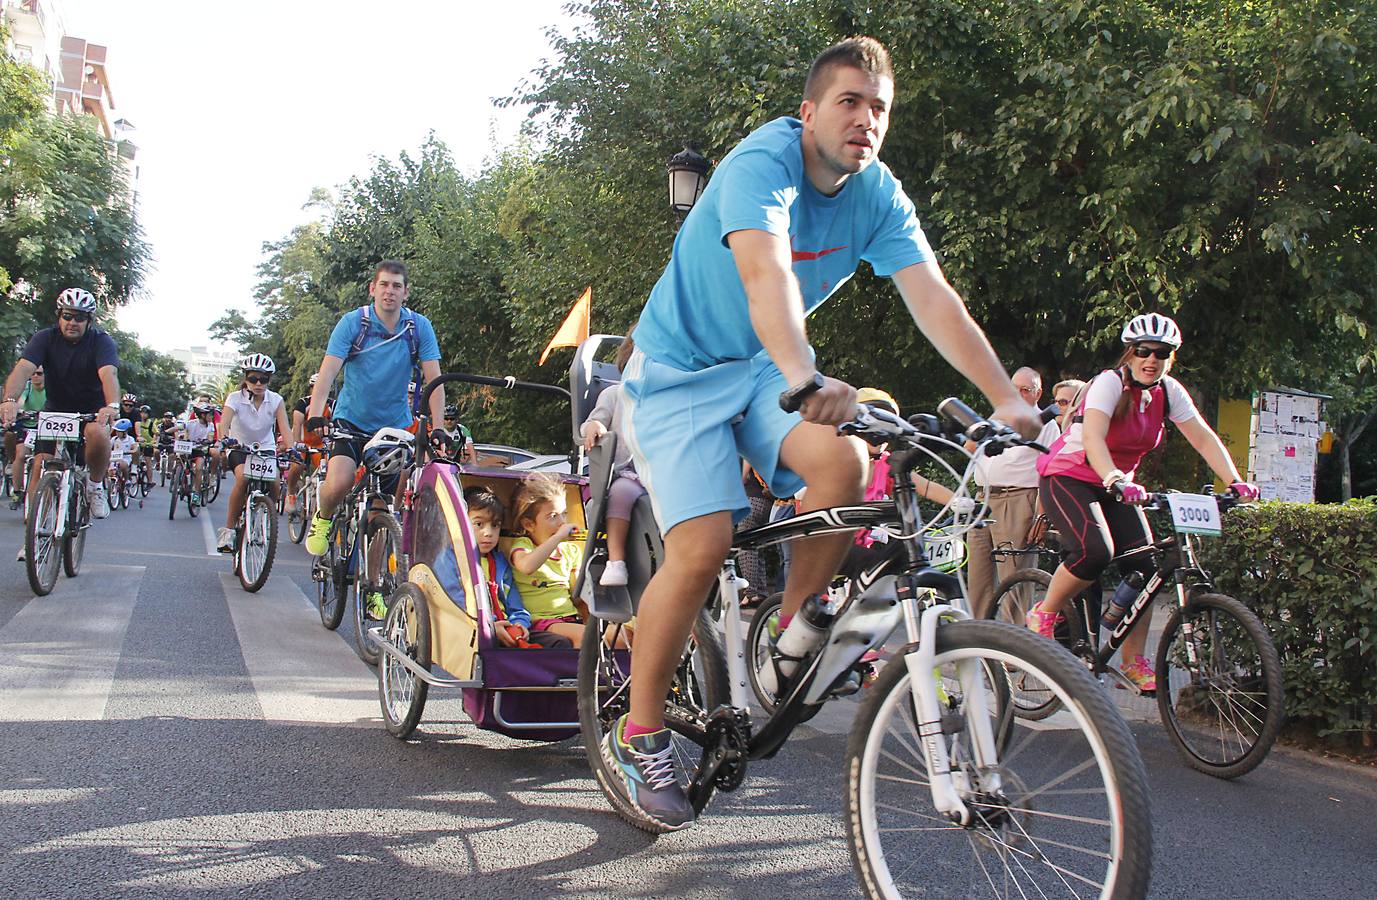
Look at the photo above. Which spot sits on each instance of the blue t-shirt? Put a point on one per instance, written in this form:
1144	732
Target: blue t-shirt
374	394
698	315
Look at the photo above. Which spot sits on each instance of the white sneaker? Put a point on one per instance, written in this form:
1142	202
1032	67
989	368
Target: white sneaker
614	574
20	557
224	540
95	497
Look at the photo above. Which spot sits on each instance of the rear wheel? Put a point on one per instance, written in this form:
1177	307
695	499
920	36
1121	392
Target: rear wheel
758	648
698	688
1219	686
257	542
193	485
402	694
78	522
1058	812
41	546
211	485
297	519
384	569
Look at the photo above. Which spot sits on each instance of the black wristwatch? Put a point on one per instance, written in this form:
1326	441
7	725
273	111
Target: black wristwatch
792	399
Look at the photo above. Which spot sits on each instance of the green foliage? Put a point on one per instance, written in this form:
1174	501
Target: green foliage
66	219
158	380
1310	573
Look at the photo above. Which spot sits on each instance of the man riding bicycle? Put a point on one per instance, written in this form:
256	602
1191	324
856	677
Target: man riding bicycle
381	349
82	367
787	218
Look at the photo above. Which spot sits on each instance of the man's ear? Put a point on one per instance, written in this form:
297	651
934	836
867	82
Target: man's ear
806	110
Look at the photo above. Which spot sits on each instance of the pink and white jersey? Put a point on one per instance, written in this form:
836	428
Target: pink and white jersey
1130	437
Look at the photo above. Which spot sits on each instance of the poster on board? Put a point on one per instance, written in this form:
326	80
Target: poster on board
1285	428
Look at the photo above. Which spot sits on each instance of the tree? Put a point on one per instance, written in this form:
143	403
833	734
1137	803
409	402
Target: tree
21	102
158	380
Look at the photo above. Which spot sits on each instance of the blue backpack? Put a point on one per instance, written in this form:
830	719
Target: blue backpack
413	344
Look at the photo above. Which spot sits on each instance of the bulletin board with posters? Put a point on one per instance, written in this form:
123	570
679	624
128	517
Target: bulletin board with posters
1286	430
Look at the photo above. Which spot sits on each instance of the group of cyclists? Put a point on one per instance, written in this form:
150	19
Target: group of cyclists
722	370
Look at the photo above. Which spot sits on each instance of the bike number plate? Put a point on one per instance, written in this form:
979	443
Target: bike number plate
53	426
1195	514
181	448
945	553
260	468
29	437
117	457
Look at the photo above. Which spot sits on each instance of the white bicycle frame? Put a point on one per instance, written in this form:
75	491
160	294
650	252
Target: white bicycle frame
876	613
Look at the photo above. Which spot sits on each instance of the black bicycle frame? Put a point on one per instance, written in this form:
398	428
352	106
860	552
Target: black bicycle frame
1175	562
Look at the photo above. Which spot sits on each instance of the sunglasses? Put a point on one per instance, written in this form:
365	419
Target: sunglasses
1063	403
1159	352
74	316
257	379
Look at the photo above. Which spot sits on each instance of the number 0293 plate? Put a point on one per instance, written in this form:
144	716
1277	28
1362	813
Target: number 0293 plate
1195	514
59	426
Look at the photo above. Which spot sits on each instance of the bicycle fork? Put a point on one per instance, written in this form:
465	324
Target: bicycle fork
947	786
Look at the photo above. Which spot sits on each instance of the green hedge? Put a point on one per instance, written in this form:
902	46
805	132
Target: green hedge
1310	572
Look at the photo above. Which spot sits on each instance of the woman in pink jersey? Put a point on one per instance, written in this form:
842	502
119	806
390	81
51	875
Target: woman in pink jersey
1087	486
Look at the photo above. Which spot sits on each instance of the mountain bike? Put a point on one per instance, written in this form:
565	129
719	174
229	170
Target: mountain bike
947	792
59	514
183	474
119	484
255	533
364	552
1223	704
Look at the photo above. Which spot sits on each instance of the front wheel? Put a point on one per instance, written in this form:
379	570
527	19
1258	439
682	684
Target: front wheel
402	694
257	542
1059	813
385	568
175	489
331	577
1219	690
41	546
604	690
210	486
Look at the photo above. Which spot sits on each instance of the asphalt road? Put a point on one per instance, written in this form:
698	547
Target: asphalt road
162	732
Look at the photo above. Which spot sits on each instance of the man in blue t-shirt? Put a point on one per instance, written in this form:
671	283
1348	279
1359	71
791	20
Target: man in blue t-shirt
378	367
786	219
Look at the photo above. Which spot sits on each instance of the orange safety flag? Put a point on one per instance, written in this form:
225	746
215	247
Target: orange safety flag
574	331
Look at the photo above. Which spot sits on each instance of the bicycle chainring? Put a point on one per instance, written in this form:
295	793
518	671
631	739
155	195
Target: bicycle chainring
727	747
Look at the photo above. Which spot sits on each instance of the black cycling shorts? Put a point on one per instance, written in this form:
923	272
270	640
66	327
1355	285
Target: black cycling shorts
1092	526
353	450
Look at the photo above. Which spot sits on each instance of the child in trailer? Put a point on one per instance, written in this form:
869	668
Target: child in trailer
626	488
546	560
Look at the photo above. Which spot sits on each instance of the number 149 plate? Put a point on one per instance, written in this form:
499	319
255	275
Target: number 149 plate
1195	514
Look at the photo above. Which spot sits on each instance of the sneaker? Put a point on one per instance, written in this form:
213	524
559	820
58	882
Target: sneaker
613	574
95	496
318	541
646	777
15	501
376	606
224	540
1141	673
1042	622
20	557
195	498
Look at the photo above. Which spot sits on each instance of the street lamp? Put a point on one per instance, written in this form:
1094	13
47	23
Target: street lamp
688	174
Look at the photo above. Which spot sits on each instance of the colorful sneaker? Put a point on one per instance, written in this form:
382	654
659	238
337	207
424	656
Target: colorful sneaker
318	541
376	606
644	773
1140	672
1042	622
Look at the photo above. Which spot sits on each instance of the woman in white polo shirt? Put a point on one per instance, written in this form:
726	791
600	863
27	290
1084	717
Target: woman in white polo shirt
253	415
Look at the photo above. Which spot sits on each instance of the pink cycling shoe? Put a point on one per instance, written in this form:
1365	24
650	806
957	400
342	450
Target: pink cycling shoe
1043	622
1140	672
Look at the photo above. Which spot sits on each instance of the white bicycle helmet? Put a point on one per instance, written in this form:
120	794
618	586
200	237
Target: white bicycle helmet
258	362
1152	327
77	300
389	451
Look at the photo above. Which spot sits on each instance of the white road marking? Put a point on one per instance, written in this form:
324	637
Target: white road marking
300	671
59	653
208	530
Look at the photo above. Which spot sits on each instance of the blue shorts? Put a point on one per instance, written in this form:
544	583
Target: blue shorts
687	432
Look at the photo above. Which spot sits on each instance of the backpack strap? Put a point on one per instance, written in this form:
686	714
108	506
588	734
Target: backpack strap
407	332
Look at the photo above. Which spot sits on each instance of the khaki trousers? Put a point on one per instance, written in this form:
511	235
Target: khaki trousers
1013	512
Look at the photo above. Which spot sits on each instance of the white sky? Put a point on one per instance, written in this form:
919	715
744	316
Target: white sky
242	108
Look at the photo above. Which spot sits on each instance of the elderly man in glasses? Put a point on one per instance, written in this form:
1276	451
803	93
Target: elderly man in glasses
1010	483
82	367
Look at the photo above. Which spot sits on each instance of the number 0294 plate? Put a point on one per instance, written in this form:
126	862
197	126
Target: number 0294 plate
1195	514
260	468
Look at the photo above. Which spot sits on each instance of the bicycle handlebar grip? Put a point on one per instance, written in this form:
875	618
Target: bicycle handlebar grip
958	412
792	399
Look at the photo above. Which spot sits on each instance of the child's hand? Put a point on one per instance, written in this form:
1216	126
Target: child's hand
567	530
518	632
592	430
503	631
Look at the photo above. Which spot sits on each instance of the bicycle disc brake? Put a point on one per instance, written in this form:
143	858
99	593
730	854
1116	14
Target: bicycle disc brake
725	752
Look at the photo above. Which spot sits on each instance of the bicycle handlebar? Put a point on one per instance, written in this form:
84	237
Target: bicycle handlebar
879	426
